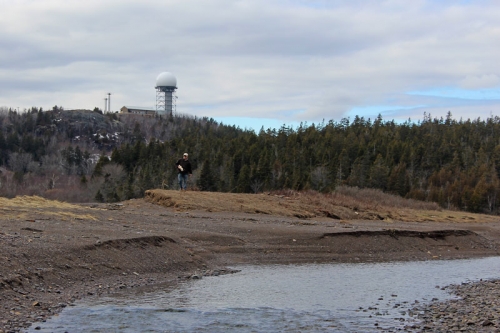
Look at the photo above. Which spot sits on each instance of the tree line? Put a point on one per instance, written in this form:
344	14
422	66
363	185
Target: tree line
111	157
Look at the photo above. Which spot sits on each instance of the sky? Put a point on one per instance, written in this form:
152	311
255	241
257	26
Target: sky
256	63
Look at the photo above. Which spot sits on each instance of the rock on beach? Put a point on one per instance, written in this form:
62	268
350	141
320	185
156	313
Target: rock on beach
477	309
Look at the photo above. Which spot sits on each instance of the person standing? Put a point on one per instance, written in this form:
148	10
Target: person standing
184	167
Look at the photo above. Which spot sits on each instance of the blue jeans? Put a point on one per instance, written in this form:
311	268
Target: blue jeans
183	180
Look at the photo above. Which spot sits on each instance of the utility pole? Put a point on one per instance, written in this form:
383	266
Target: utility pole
109	102
105	104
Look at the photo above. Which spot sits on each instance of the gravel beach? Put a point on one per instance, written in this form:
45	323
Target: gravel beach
476	310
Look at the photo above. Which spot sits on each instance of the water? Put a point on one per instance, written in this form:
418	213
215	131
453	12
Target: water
304	298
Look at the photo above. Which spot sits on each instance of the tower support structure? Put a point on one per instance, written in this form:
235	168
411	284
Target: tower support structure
165	100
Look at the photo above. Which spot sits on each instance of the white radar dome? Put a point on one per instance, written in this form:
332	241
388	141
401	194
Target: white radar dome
166	79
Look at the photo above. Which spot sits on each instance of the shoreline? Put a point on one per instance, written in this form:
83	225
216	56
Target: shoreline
49	261
476	310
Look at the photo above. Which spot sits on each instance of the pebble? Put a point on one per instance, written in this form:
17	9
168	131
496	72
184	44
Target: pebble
477	309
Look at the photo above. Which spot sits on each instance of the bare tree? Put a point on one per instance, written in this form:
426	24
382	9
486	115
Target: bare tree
319	178
19	162
52	181
51	164
256	185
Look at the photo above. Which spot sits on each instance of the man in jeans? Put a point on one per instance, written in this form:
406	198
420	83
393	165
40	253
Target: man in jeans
184	167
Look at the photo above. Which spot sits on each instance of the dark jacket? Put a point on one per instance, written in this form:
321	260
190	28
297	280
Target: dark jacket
186	166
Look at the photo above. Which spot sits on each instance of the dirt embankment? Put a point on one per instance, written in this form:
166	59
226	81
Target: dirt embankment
345	205
54	253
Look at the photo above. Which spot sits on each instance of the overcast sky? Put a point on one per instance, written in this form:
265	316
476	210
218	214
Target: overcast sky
256	62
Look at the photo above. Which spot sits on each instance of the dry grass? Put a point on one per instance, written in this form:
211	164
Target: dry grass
24	207
344	204
224	202
373	198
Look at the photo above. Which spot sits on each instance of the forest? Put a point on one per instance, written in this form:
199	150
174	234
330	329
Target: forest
85	155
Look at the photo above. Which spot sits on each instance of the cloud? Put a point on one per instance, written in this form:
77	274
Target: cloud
288	60
481	81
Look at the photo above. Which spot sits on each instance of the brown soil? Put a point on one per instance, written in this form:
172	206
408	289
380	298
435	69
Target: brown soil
53	253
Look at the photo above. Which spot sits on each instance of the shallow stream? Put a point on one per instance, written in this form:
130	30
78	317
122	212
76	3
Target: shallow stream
293	298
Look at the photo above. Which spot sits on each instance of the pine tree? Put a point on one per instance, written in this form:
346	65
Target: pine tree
99	197
243	184
103	160
397	182
206	181
379	173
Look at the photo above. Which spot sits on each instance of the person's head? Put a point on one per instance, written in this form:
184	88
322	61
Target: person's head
185	156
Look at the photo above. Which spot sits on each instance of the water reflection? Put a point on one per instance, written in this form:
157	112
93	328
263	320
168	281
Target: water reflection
305	298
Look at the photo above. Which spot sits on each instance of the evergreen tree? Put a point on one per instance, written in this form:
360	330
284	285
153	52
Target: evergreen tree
379	173
397	182
103	160
206	181
99	197
360	170
243	184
